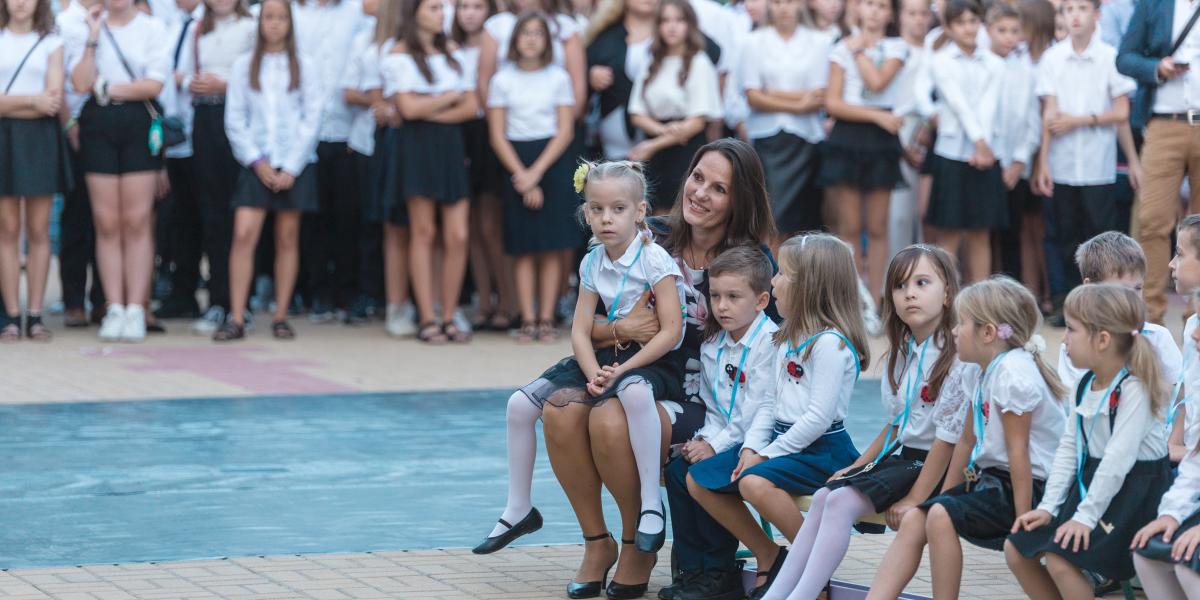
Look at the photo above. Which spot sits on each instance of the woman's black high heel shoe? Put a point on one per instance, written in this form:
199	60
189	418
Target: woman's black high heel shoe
591	589
531	523
652	542
625	591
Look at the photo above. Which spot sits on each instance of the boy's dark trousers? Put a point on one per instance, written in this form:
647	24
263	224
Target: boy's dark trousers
700	542
1075	214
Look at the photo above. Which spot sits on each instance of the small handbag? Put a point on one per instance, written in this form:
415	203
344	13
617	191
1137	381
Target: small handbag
165	132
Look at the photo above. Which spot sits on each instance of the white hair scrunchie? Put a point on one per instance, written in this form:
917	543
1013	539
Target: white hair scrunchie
1036	344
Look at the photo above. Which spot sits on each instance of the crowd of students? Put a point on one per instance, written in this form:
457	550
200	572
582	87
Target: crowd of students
382	147
1073	480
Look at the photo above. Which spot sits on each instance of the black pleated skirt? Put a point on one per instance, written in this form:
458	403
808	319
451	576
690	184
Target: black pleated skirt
983	513
1156	549
251	193
390	206
1134	505
554	226
433	162
666	171
863	155
34	158
889	481
964	197
487	175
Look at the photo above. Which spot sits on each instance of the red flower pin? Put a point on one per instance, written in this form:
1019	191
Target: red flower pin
1114	399
730	370
987	411
795	370
925	395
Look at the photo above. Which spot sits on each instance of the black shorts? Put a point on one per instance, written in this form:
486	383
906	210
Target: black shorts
114	139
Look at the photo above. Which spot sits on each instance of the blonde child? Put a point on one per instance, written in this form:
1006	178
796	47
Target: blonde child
1006	459
1111	466
822	350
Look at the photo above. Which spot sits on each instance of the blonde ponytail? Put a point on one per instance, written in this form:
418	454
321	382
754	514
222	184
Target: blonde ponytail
1120	311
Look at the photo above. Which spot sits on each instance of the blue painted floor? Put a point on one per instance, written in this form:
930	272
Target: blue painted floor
96	483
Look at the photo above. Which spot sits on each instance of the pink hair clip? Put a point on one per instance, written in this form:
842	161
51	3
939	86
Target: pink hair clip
1004	331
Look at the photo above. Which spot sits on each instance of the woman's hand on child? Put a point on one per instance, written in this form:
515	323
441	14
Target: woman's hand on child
1165	525
641	324
1032	520
895	513
748	459
1185	545
1073	534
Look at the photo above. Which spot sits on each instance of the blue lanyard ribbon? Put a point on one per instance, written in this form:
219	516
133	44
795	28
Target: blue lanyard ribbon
1082	442
616	303
977	406
737	375
853	351
914	383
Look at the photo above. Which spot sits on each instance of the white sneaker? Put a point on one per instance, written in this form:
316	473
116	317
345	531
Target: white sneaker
871	321
134	329
461	321
400	321
113	324
208	324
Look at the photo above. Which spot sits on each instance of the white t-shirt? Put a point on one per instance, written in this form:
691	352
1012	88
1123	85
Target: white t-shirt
531	100
362	74
854	90
401	75
145	43
798	64
500	27
1014	385
31	81
665	100
230	38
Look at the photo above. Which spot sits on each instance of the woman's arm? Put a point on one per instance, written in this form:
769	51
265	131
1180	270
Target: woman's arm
356	97
798	103
639	325
1016	441
581	342
670	315
135	91
421	107
47	103
836	105
497	117
466	109
651	126
877	78
576	63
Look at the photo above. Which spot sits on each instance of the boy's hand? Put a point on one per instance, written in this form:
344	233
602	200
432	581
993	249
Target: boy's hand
698	450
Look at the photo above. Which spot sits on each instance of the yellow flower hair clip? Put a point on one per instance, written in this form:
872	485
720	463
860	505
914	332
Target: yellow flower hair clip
581	174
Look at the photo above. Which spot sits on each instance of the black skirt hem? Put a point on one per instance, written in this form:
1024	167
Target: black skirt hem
34	158
862	155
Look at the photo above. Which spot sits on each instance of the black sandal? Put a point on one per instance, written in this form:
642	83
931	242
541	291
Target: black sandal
527	334
10	331
629	591
282	331
36	330
431	333
229	331
590	589
454	334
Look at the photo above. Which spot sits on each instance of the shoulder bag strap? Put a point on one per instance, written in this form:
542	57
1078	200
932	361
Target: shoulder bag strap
124	63
22	63
1186	30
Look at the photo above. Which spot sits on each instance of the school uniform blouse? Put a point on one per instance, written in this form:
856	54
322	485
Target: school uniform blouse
798	64
923	87
72	25
818	398
854	89
1014	385
273	122
1083	84
665	100
1183	499
1136	434
1019	119
231	37
144	42
1191	384
927	415
500	27
748	418
969	86
325	34
1169	357
531	100
400	74
31	81
623	281
363	74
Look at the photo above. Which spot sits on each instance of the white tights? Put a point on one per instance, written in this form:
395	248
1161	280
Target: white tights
1165	581
522	415
645	437
804	573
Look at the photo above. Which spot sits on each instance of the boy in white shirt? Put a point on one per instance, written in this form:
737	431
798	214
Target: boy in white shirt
738	386
1084	101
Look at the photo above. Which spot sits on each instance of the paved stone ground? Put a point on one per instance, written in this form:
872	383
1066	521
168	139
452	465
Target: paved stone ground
329	359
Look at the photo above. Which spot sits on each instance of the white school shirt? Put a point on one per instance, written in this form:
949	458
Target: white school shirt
600	274
969	89
363	74
799	64
923	86
1182	93
1019	119
145	43
714	22
1183	499
1014	385
400	74
325	34
927	416
31	81
665	100
530	100
818	398
854	89
274	123
177	100
733	95
1137	434
1169	358
500	27
1191	417
905	82
231	37
750	420
72	24
1083	84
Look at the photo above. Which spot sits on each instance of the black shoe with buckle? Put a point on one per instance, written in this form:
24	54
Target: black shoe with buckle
529	524
652	542
591	589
